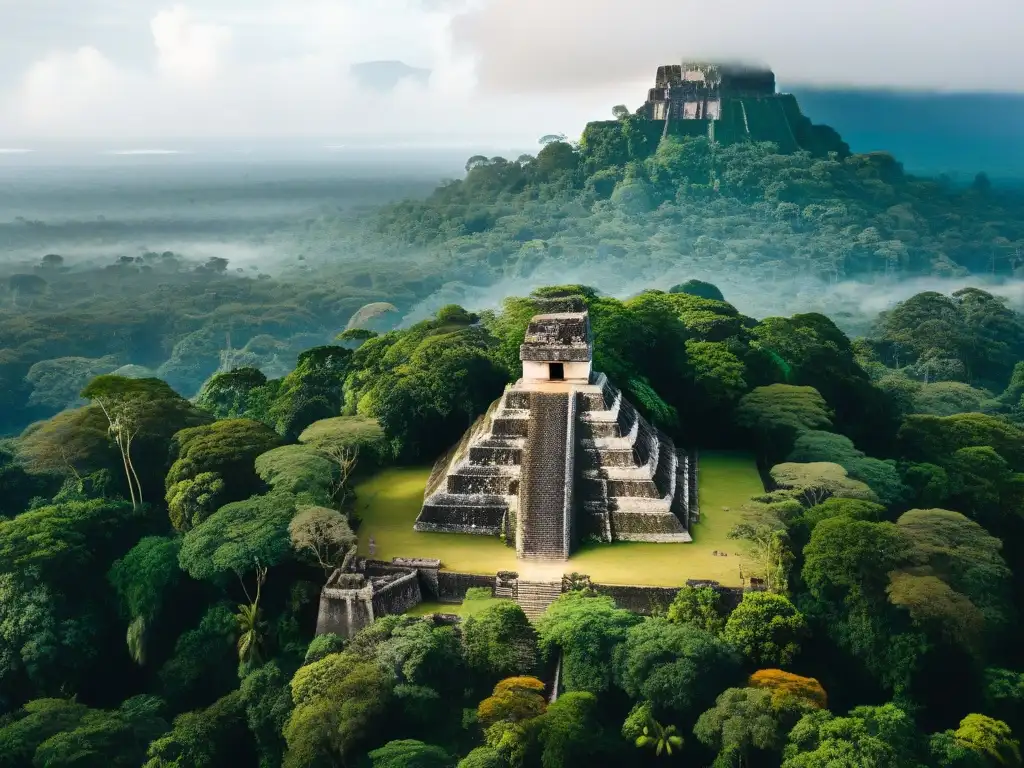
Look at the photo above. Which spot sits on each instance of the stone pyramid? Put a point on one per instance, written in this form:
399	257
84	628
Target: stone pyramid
561	456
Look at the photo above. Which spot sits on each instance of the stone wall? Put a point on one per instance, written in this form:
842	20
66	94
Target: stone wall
397	596
693	508
452	586
642	600
344	611
648	600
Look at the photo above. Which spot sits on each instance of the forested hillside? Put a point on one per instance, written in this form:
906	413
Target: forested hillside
161	558
612	210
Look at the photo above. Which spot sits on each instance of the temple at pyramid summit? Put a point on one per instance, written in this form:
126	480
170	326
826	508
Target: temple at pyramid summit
561	457
728	103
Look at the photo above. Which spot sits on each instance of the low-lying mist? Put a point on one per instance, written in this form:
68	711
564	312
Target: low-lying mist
293	221
852	304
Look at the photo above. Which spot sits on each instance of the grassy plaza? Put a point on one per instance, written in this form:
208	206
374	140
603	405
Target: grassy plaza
388	502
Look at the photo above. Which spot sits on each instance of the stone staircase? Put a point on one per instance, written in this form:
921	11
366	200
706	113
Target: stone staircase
534	597
542	531
633	486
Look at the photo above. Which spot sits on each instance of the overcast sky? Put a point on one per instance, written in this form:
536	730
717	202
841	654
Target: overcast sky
509	69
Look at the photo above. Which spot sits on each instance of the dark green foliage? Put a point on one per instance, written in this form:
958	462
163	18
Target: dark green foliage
358	434
817	354
776	415
877	736
586	630
698	288
324	645
965	556
340	701
206	738
677	667
500	642
227	395
17	485
238	536
571	734
312	391
267	699
116	738
946	750
151	412
228	448
743	720
37	721
972	328
881	476
60	538
767	629
700	606
204	662
935	439
299	470
483	757
424	386
143	580
409	753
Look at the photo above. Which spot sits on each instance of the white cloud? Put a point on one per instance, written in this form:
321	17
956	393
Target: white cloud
64	85
187	49
529	45
499	67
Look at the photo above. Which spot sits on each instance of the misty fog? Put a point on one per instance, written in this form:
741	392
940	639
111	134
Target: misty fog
255	206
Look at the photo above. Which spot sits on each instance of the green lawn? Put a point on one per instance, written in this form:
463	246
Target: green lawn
389	502
464	609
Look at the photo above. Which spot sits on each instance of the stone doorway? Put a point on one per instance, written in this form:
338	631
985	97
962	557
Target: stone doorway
556	371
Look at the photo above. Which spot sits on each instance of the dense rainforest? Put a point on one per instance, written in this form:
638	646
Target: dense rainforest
162	557
185	442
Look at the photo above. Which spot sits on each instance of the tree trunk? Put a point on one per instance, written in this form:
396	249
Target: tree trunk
127	474
128	458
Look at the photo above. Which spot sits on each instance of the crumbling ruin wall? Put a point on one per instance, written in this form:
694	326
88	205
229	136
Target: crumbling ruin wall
344	611
452	586
397	596
427	569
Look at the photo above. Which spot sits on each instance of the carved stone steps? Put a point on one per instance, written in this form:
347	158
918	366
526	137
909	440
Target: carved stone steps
595	458
463	513
534	597
599	487
493	479
516	398
510	426
493	451
542	531
640	505
607	412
